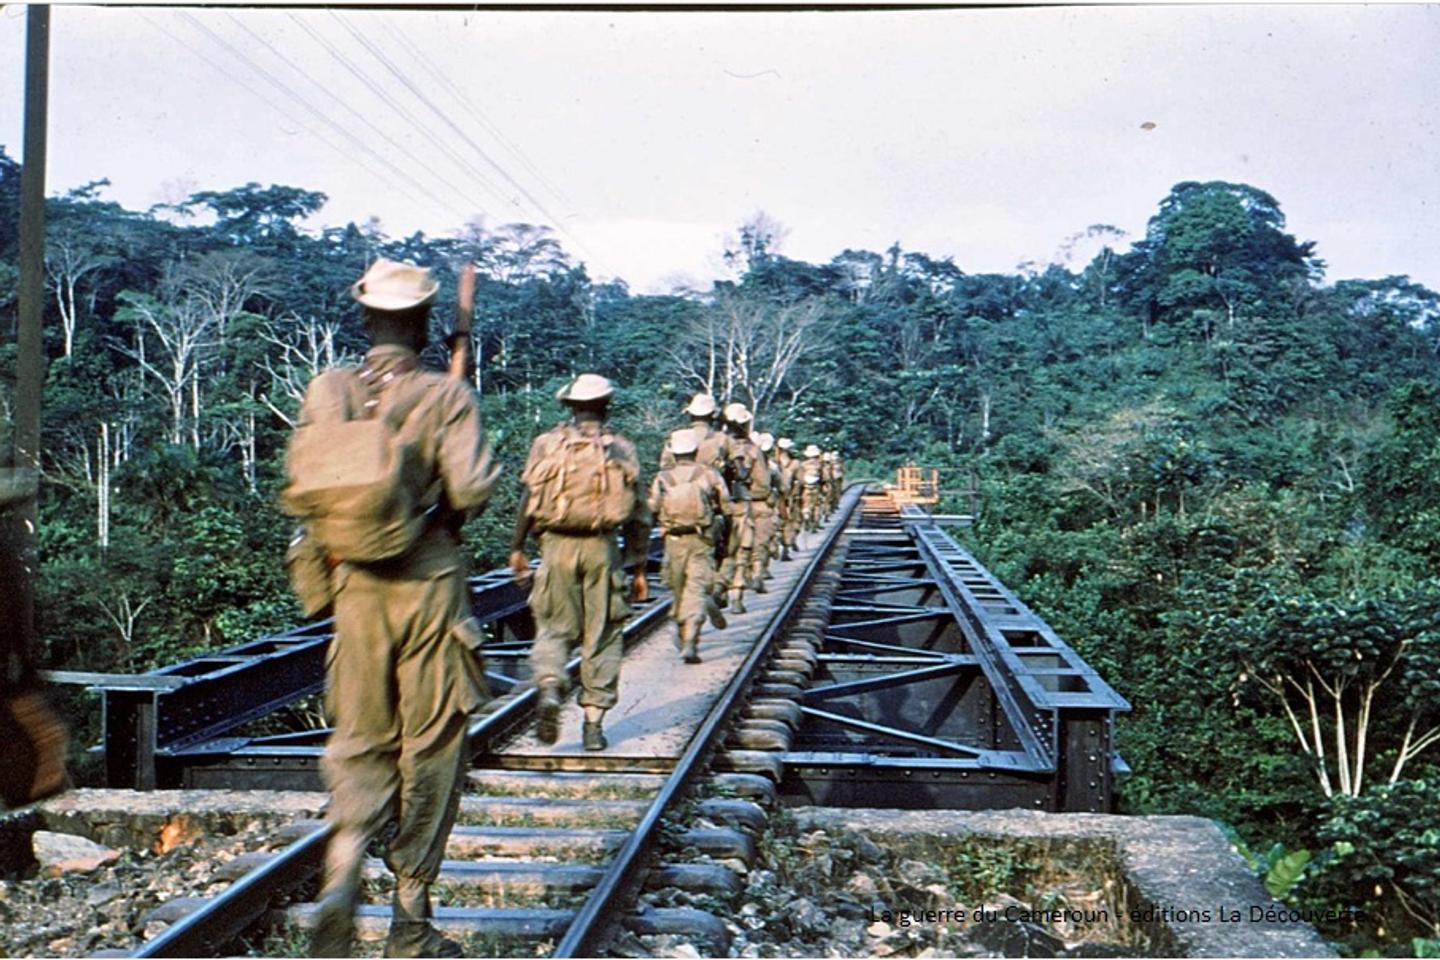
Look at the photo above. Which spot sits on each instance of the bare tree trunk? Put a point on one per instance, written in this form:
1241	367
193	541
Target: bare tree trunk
125	615
103	495
177	414
195	411
66	308
248	452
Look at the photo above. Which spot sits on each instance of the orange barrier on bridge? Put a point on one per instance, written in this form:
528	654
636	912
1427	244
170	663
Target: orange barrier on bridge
912	486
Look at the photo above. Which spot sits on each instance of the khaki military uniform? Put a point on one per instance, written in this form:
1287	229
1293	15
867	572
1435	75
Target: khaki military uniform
790	487
717	451
778	494
763	514
750	487
716	448
689	568
579	593
404	670
811	494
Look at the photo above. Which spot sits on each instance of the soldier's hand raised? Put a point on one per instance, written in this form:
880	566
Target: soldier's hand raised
520	567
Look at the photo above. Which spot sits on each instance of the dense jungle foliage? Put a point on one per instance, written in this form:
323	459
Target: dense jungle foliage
1210	470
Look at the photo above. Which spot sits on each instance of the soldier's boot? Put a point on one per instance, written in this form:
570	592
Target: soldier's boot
591	734
737	599
411	934
334	930
690	641
784	552
712	608
548	712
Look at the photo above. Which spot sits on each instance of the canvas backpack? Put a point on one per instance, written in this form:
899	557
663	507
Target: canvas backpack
712	452
580	482
353	477
810	472
759	475
684	500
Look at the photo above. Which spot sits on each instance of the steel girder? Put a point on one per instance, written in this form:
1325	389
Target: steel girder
179	726
937	687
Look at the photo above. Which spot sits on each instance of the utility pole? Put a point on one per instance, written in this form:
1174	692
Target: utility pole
32	239
20	465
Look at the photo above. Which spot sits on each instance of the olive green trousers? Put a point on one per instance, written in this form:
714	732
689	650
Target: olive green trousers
811	504
762	515
739	547
790	526
579	597
404	673
689	574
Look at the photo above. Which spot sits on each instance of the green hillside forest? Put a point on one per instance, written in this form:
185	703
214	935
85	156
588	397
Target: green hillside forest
1211	468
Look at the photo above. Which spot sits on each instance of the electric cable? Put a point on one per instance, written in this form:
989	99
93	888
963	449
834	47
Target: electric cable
395	71
357	114
278	108
311	109
482	118
409	117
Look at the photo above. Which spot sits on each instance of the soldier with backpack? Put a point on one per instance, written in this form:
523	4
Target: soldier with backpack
386	463
36	739
750	476
790	486
715	446
687	500
763	512
811	491
827	484
715	450
582	486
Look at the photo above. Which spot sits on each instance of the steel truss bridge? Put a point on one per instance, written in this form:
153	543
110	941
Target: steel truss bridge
934	687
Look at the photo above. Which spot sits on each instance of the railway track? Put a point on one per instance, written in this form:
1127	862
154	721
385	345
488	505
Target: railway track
554	844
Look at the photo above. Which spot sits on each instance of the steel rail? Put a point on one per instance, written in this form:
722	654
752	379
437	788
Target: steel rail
596	919
226	916
204	932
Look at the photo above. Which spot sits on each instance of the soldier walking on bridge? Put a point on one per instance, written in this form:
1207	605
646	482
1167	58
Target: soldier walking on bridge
788	469
386	463
582	483
688	500
751	482
763	510
716	450
715	446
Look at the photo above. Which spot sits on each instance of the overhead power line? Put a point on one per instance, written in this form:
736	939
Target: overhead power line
407	114
383	96
412	157
480	117
278	108
400	75
360	152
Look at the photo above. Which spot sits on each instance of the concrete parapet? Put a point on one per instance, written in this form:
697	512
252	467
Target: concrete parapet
1184	884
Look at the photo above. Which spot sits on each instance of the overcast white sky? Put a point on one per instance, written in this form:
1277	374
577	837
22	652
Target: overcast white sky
986	135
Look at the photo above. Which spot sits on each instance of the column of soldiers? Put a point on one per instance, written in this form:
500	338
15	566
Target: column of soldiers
763	505
387	463
727	500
